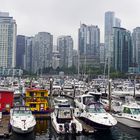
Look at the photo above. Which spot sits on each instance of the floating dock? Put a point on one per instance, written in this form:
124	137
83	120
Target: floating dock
86	128
4	126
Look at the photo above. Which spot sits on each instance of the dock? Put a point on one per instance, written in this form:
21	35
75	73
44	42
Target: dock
86	128
4	123
42	116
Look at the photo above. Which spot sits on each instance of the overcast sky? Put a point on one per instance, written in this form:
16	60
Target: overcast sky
63	17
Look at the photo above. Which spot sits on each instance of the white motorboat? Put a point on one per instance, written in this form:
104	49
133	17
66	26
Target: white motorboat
64	121
93	113
129	114
96	116
60	100
22	120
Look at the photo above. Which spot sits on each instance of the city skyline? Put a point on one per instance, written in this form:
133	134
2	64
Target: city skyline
63	17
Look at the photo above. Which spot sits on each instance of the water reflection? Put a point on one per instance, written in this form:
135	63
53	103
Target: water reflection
45	131
16	136
41	126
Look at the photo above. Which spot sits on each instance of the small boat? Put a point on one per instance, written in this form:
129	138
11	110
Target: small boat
60	100
64	121
96	116
92	112
129	114
22	120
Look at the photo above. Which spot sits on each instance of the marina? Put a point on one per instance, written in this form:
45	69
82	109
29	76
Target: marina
72	112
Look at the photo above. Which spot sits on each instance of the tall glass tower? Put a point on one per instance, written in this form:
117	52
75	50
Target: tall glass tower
122	54
136	47
8	30
65	48
89	45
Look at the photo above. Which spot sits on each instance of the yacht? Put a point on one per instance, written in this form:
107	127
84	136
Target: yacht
60	100
22	120
129	114
92	111
64	121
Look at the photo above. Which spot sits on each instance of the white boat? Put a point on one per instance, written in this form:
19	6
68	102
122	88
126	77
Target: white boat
83	100
60	100
93	113
64	121
22	120
129	115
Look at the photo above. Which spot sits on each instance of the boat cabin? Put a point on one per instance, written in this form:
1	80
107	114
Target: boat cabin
64	113
37	99
131	110
6	100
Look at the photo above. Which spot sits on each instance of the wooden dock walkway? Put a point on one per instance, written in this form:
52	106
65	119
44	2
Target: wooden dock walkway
42	116
86	128
4	123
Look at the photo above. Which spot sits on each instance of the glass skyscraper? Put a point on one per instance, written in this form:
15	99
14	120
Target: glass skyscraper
110	22
8	30
122	45
65	48
136	47
42	47
89	45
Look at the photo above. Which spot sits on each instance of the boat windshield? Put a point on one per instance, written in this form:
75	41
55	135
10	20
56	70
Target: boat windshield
88	100
22	112
65	113
135	111
96	108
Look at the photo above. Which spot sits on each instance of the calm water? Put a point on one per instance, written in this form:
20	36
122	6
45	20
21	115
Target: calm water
44	131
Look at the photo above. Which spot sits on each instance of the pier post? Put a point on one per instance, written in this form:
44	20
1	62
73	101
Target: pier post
74	90
109	90
134	86
51	88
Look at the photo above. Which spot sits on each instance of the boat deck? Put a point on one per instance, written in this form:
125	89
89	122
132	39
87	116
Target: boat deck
4	125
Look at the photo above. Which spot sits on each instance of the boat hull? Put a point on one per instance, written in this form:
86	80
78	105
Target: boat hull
95	125
18	130
128	122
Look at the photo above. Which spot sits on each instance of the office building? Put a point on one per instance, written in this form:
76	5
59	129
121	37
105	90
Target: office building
8	30
65	48
88	47
122	54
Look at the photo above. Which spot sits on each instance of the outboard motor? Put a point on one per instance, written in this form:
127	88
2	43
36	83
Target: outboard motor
66	127
73	128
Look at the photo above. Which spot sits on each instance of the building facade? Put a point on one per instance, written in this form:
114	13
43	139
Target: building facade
102	53
28	54
20	51
8	30
65	48
110	22
42	51
136	49
89	44
122	55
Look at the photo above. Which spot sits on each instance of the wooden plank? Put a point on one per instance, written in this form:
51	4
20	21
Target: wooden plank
4	125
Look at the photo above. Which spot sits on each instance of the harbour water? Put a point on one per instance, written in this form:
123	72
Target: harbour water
44	131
